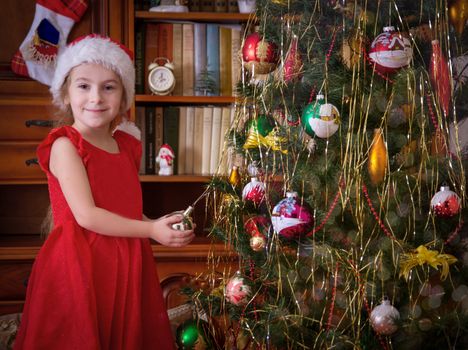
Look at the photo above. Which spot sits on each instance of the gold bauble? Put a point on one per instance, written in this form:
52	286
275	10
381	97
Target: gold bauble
458	14
378	158
257	243
234	177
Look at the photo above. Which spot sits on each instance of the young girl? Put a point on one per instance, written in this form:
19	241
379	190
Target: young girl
94	284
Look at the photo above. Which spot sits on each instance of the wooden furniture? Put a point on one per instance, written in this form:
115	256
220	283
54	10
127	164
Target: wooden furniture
23	188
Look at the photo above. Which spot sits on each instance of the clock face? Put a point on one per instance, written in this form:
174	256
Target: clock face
161	80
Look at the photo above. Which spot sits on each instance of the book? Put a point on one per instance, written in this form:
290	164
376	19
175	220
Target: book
158	132
187	59
180	157
140	123
220	5
140	58
225	79
232	6
165	41
150	119
189	142
197	140
215	139
151	48
212	55
223	134
171	131
236	61
199	54
206	5
206	144
177	57
194	5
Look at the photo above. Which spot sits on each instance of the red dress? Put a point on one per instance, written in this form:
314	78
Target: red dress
87	290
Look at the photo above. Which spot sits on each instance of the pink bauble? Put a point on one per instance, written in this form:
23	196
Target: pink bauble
445	203
390	51
383	318
290	218
254	191
236	291
259	55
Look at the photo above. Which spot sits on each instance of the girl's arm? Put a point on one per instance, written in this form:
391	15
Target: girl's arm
67	166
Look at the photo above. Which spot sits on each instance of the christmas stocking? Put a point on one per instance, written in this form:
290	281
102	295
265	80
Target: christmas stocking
52	22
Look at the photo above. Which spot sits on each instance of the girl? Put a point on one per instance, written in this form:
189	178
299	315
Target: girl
93	284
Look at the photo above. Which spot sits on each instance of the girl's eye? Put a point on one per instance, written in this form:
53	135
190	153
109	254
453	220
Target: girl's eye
109	87
82	86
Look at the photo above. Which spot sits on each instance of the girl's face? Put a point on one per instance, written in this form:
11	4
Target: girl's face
95	95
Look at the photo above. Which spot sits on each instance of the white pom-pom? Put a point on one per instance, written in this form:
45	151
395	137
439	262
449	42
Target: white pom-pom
129	128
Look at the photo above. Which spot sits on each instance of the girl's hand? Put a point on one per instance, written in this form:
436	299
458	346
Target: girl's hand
163	232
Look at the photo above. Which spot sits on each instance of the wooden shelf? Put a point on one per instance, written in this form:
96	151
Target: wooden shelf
185	99
175	178
195	16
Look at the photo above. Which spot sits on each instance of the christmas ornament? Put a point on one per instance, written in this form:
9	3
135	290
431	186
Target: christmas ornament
351	50
257	242
259	55
458	14
254	191
272	141
445	203
440	77
320	118
261	124
390	51
378	158
187	221
165	160
257	225
254	170
193	335
423	256
383	318
292	67
237	292
290	218
234	177
311	145
53	20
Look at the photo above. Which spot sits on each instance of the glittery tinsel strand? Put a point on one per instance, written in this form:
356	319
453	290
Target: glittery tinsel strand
376	216
455	233
333	297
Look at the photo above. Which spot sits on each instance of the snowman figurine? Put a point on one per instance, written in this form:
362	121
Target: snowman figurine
165	159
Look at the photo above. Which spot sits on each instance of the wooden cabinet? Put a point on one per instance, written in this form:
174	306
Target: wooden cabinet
23	188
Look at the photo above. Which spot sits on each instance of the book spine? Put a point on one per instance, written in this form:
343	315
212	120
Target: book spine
215	139
198	140
194	5
171	131
189	131
206	144
212	54
140	58
177	57
199	54
151	49
182	147
225	61
187	59
165	41
220	5
140	123
207	5
158	132
233	6
150	120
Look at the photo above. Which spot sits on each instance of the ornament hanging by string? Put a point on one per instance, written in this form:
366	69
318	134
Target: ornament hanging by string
237	292
292	67
390	51
384	318
254	192
234	177
257	242
440	77
320	118
261	124
290	218
259	55
458	15
256	225
194	335
445	203
378	158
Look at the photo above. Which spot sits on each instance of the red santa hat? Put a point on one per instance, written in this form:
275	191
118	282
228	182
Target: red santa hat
167	148
95	48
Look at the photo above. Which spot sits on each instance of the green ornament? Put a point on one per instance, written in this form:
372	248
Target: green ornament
311	111
262	124
191	335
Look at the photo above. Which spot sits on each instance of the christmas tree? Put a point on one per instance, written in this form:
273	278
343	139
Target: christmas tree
347	202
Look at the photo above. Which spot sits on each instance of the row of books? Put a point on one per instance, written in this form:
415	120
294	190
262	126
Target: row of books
195	5
206	56
195	133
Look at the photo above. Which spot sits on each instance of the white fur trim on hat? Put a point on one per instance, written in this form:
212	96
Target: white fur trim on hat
94	49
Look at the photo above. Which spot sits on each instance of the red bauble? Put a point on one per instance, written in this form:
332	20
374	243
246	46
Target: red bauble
259	55
390	51
254	191
291	218
445	203
256	225
440	77
292	69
